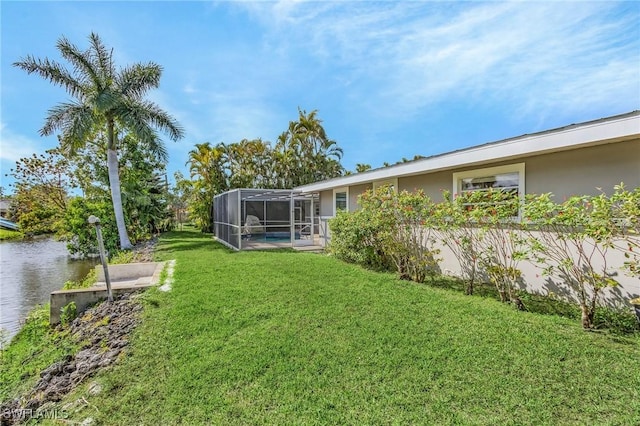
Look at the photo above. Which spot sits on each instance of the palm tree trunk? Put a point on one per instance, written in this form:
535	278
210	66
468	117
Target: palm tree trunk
114	184
116	198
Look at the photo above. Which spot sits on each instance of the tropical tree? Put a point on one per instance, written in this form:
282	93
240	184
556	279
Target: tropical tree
42	185
305	154
249	164
180	197
361	167
207	169
571	241
104	97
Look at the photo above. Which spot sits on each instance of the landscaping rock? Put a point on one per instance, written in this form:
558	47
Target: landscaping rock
105	330
143	252
94	388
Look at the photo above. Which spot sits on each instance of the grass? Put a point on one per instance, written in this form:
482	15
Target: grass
6	235
34	348
281	337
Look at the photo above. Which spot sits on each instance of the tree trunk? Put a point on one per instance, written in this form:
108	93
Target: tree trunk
116	197
587	316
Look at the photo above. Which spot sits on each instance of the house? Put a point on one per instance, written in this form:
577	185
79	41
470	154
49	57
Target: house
573	160
5	204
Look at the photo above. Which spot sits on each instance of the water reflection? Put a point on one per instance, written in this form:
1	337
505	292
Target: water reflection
29	271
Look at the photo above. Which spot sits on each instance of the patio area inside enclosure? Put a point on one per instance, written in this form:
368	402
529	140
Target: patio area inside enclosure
265	218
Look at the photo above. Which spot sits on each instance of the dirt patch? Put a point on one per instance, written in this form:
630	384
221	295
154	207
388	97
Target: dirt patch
143	251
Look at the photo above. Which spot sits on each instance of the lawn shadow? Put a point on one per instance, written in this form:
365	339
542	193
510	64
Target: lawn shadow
481	289
188	240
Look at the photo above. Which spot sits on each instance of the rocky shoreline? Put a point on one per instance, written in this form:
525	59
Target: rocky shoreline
103	333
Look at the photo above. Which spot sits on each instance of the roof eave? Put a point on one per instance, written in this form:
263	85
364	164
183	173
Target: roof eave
603	131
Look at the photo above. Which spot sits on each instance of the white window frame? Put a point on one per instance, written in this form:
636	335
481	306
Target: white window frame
337	191
488	171
393	182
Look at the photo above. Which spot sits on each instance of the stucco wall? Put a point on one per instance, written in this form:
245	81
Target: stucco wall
534	281
575	172
582	171
326	203
432	184
354	192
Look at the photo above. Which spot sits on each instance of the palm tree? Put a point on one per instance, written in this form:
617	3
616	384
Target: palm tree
311	155
105	98
206	166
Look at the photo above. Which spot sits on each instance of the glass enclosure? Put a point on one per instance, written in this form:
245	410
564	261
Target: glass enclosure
265	218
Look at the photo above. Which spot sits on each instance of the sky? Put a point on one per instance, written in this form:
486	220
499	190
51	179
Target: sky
390	79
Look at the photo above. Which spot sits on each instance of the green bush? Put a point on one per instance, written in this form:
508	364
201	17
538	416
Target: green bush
87	282
80	236
355	238
390	232
409	239
618	320
121	257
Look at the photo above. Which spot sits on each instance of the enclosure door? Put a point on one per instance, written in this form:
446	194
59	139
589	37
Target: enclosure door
302	229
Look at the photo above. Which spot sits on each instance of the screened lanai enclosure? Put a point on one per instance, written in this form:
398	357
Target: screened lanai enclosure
265	218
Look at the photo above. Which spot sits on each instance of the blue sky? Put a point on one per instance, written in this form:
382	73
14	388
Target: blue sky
389	79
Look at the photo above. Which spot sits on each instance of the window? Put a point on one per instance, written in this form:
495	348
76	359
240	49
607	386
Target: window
340	199
508	178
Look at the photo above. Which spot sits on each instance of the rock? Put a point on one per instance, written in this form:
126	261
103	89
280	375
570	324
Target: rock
94	388
87	422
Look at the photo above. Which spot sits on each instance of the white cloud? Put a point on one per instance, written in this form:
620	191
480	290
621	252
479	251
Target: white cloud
14	146
400	57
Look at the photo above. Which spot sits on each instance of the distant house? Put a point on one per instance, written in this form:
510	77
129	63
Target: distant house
4	208
579	159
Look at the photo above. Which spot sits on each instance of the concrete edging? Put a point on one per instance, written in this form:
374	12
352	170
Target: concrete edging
125	278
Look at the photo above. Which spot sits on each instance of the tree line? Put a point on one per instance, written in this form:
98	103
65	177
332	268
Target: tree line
110	149
302	154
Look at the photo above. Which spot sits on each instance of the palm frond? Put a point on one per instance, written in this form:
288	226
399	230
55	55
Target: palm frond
106	101
136	80
54	72
75	120
82	63
157	118
154	145
102	57
135	119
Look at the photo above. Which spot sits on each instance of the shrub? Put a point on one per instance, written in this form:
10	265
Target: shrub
80	236
390	231
355	238
408	240
87	282
626	211
457	231
122	256
500	244
571	240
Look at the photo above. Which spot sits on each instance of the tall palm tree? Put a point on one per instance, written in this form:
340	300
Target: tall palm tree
311	155
105	98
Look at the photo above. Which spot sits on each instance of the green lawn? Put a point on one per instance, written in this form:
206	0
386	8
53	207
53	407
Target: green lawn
297	338
6	234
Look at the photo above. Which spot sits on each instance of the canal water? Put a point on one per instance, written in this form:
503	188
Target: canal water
29	271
